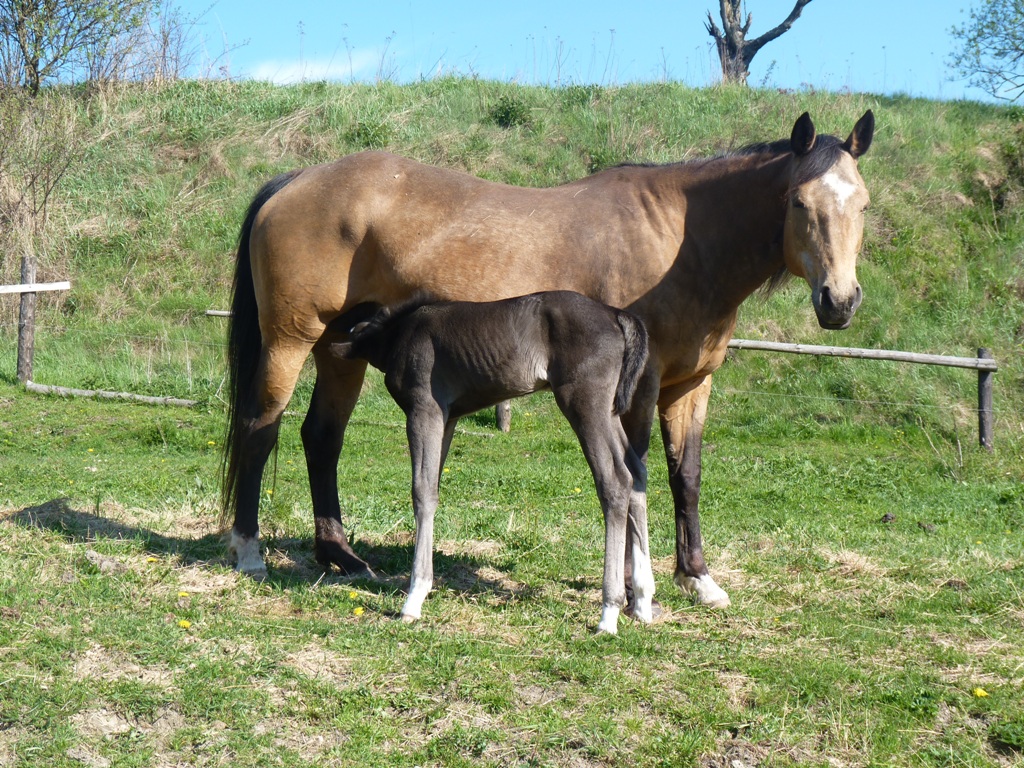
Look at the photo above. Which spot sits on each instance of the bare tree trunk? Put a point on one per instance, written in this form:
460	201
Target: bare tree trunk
735	52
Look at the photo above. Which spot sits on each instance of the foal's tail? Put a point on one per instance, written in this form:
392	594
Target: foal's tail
244	344
634	359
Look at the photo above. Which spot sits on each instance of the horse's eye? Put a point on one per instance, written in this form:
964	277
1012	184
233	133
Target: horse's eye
798	203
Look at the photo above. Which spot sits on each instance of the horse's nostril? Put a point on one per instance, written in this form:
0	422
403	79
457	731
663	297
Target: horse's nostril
826	299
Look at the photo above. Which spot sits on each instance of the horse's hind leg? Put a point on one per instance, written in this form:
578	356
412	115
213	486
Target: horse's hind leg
276	377
337	388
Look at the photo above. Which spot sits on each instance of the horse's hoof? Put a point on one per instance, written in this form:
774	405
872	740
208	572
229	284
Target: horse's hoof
330	553
408	618
704	590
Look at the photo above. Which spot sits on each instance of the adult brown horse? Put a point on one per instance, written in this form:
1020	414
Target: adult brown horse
680	245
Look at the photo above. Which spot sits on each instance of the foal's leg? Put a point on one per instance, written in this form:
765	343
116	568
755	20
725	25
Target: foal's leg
446	443
637	424
638	572
683	409
426	429
276	376
338	383
604	446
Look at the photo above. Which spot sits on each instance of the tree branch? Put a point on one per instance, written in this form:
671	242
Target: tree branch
758	42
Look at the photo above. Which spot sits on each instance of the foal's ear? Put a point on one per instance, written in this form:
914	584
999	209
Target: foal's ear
341	350
860	139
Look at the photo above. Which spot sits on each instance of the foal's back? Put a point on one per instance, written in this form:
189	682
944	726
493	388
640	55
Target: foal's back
466	356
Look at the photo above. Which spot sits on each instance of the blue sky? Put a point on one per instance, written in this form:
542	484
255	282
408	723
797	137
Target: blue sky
880	46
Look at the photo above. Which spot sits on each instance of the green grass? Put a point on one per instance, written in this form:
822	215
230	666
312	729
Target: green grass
850	641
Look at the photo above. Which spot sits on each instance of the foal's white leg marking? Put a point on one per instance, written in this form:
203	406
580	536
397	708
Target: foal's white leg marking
609	620
413	607
705	590
643	574
247	555
643	584
840	187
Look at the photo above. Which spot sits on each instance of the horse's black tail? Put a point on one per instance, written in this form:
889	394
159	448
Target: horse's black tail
634	359
244	344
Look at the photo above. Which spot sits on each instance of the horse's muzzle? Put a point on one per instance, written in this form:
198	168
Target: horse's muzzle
835	314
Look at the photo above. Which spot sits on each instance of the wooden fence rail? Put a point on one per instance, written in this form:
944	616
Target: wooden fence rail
983	364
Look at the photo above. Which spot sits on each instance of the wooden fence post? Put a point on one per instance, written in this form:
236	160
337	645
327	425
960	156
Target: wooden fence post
503	415
27	321
985	402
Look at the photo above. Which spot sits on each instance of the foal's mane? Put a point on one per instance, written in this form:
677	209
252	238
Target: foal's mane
369	319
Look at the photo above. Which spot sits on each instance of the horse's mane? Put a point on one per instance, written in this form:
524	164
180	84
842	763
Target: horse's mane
823	156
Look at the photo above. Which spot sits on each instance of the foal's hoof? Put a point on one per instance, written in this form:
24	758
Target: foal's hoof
407	618
656	610
256	574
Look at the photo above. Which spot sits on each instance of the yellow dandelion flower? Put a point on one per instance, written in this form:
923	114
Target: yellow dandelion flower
358	611
183	594
184	623
980	693
211	442
270	491
577	490
151	560
92	450
352	595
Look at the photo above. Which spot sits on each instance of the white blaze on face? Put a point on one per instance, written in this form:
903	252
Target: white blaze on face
839	186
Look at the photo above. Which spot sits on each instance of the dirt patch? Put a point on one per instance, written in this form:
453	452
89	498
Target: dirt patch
97	663
737	686
853	564
314	661
102	723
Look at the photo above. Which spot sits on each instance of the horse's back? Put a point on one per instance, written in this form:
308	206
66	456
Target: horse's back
379	227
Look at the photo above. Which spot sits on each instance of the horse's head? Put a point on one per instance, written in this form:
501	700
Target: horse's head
825	217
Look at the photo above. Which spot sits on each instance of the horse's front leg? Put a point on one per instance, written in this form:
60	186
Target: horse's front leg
427	432
683	409
337	388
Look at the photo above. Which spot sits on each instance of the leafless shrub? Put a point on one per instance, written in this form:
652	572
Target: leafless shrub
40	139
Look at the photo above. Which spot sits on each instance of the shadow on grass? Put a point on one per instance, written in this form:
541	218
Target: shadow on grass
290	560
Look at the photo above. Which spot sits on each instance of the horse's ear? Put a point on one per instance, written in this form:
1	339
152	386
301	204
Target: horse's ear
803	137
860	139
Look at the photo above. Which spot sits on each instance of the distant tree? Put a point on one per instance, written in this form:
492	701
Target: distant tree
991	53
735	51
41	39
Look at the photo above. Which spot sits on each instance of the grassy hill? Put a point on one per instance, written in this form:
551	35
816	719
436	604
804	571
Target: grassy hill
145	222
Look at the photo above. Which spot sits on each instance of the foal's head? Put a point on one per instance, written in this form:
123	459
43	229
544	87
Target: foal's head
825	217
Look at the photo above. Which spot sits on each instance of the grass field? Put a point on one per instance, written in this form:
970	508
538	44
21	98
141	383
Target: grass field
874	554
126	637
